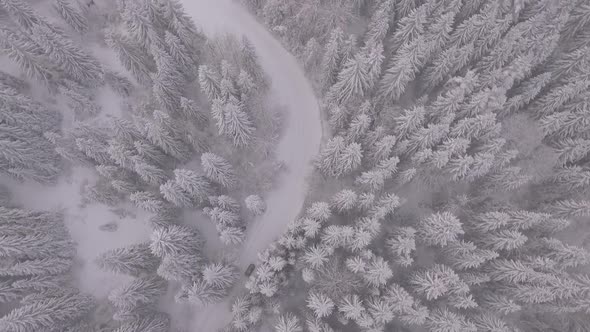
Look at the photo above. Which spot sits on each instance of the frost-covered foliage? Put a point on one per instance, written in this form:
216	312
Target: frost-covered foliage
474	114
38	255
451	189
25	153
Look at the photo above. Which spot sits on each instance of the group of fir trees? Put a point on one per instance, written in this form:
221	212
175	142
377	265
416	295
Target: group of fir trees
46	51
37	256
423	103
46	54
25	154
173	255
140	157
49	53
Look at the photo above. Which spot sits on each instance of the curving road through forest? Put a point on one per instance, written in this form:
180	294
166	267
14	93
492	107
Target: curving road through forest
297	148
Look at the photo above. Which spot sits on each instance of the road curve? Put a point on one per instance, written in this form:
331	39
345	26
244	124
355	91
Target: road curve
298	145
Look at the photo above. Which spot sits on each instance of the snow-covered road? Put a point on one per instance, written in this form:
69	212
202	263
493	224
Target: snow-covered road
298	146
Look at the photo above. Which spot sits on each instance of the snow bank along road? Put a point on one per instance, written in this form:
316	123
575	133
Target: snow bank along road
298	146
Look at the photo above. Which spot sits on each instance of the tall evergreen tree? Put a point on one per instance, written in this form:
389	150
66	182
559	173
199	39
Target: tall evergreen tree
218	169
331	60
72	15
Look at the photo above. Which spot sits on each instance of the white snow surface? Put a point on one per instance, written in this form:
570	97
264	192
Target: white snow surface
298	146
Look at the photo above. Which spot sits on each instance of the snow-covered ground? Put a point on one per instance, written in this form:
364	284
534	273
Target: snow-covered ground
297	148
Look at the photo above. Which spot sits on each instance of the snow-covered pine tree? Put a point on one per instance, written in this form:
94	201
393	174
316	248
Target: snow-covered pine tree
38	255
440	229
219	276
180	54
209	82
251	64
255	204
402	244
191	111
74	61
175	240
218	169
403	68
25	53
237	123
330	156
311	55
144	290
133	260
443	320
150	321
321	304
22	12
72	15
353	80
26	153
136	61
49	313
181	268
150	173
174	193
288	323
201	293
331	60
164	132
446	64
344	201
380	23
196	185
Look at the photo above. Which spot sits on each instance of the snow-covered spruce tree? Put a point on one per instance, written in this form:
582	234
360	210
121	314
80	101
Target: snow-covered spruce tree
73	16
321	305
74	61
219	275
233	121
331	59
202	294
150	321
24	52
175	240
344	200
174	193
196	185
164	132
133	260
338	158
141	291
440	229
353	81
255	204
250	62
209	82
288	323
60	311
218	169
137	62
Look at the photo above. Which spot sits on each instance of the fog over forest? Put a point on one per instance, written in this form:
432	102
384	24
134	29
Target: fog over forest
294	165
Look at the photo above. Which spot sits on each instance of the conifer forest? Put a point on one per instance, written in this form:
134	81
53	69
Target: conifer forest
294	165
